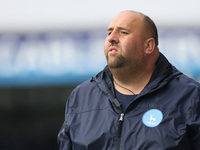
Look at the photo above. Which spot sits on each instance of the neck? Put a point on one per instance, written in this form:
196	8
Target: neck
133	81
126	90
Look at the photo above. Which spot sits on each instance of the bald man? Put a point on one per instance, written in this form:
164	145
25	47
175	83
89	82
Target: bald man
139	101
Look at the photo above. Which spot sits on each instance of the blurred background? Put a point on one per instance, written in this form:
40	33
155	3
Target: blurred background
47	47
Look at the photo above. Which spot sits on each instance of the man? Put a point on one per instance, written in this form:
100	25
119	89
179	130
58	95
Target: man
138	102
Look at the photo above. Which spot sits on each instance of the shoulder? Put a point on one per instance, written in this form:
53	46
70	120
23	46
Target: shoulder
185	80
184	89
189	91
87	96
83	87
85	91
86	85
189	82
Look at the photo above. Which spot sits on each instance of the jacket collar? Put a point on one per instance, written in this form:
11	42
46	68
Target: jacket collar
163	67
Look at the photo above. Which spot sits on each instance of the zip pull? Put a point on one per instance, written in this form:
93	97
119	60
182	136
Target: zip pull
120	129
121	117
120	125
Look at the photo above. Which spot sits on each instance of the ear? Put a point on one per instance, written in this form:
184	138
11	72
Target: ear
149	45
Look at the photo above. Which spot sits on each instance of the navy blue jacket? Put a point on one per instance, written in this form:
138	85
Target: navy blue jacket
164	116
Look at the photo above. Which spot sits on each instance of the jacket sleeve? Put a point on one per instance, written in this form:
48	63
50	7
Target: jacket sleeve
64	141
194	130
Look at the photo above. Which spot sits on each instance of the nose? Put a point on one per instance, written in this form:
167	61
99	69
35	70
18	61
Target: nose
113	38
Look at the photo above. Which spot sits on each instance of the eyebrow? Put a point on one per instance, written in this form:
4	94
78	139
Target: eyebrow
118	27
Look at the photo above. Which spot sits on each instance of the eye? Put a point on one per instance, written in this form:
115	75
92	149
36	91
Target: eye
124	32
108	33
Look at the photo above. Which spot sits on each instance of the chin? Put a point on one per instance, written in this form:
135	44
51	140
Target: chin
115	66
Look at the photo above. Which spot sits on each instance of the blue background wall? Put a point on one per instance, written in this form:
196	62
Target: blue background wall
64	58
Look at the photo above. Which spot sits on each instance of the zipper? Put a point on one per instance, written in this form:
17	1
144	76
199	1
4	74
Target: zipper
121	119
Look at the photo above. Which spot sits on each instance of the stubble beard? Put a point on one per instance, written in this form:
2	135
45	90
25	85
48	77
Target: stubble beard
121	66
117	63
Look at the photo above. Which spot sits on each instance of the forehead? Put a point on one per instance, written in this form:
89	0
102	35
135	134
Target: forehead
128	20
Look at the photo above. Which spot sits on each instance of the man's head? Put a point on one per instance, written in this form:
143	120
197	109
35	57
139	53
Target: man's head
132	39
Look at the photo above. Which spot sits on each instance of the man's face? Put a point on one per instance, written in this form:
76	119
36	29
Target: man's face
124	45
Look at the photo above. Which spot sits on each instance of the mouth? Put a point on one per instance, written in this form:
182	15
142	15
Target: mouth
113	50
